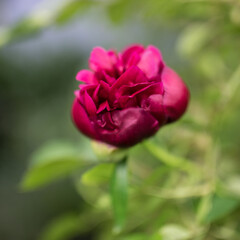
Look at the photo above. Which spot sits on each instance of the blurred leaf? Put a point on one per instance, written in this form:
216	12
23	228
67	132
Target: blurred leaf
98	175
71	225
25	27
136	236
42	18
221	207
212	65
54	160
117	11
204	206
232	88
93	195
71	9
168	158
232	185
193	38
174	232
55	150
62	228
235	15
119	189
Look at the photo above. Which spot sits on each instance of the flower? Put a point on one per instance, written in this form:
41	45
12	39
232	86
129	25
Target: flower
127	97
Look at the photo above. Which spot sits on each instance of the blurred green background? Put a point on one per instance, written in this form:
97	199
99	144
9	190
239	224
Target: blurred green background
184	182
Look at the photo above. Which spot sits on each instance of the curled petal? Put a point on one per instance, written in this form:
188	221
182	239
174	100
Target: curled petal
131	76
101	92
128	53
86	76
176	94
100	59
151	61
132	125
81	120
103	106
154	105
88	103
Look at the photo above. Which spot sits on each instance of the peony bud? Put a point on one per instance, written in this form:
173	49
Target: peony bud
127	97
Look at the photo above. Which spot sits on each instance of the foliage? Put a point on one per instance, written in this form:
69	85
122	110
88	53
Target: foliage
182	184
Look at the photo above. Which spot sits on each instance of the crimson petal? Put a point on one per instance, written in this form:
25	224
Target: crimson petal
81	120
176	94
132	125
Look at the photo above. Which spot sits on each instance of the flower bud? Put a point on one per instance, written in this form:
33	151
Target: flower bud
127	97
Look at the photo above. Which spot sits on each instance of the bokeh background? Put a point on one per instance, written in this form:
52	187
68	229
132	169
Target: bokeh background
185	182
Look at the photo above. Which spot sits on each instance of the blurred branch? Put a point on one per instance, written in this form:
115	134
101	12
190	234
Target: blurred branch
59	13
181	192
168	158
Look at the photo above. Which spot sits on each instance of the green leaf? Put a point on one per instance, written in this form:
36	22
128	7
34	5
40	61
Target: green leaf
118	10
232	185
27	26
136	236
174	232
62	228
119	189
53	161
98	175
204	206
71	9
43	18
193	38
221	207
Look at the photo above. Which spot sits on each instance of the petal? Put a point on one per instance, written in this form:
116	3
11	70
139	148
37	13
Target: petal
103	106
89	104
176	94
151	61
81	120
136	49
154	105
86	76
102	59
110	80
133	60
77	93
137	93
131	76
149	89
132	125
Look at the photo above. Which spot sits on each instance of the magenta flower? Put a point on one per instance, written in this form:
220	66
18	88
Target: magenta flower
127	97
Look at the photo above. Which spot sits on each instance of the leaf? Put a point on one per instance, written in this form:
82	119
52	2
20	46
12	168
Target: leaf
136	236
70	9
74	225
62	228
193	38
232	185
211	64
204	206
119	188
118	10
174	232
25	27
221	207
53	161
98	175
43	17
168	158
